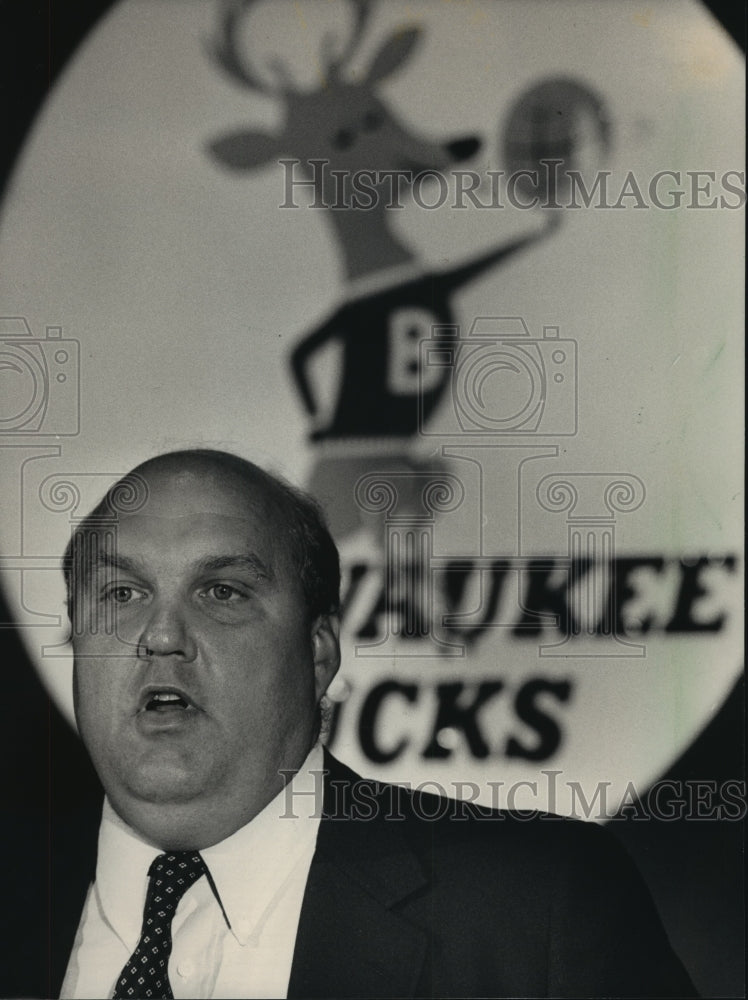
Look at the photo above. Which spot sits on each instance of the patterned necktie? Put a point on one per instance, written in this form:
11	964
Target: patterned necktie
146	972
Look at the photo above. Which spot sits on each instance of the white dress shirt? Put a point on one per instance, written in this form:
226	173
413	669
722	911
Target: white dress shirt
243	950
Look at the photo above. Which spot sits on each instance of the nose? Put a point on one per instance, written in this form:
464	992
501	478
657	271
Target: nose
167	633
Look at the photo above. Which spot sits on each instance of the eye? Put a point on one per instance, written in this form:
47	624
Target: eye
122	594
224	593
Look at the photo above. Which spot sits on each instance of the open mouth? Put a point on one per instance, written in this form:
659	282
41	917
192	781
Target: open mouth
165	700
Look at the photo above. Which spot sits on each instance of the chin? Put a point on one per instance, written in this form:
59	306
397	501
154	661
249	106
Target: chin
165	782
174	822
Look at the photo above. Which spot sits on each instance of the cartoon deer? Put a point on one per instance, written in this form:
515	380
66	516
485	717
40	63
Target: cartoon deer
382	391
341	126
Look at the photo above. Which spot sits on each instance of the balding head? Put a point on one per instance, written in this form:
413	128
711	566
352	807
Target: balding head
300	522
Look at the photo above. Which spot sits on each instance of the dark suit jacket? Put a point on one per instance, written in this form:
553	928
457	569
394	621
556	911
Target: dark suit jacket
413	896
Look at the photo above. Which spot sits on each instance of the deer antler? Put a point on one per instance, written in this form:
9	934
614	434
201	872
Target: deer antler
224	48
362	10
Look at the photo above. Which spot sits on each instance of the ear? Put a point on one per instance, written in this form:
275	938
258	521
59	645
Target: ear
393	54
245	150
325	652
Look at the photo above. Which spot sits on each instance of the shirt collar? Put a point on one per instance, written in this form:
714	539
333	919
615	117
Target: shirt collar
253	864
122	876
247	868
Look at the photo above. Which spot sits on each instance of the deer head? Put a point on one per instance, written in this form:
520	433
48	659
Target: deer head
342	122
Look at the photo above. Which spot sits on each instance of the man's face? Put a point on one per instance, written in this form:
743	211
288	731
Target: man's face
209	685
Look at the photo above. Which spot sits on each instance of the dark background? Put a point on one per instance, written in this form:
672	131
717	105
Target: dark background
694	868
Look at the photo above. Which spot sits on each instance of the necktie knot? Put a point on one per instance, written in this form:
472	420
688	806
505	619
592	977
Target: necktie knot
172	874
146	972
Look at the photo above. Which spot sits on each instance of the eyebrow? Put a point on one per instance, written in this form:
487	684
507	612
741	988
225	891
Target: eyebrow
245	561
249	561
106	559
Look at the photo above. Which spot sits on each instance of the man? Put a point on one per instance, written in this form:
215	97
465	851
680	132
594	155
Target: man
205	634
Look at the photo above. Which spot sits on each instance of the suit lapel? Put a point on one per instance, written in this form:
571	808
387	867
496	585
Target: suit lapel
350	942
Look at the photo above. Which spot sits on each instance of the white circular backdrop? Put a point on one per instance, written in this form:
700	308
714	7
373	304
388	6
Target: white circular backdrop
162	296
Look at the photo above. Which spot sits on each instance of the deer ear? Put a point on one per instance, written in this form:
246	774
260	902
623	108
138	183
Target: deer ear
393	53
244	150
